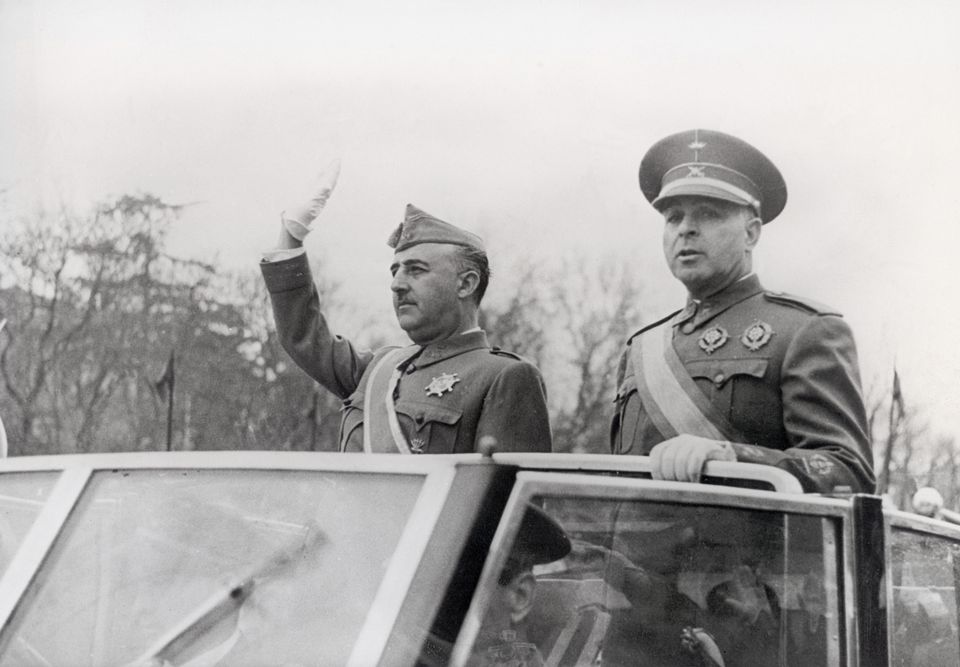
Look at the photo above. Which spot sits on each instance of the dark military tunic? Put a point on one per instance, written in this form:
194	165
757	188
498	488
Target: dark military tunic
796	399
497	394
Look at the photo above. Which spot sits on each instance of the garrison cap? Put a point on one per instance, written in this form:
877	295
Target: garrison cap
421	227
712	164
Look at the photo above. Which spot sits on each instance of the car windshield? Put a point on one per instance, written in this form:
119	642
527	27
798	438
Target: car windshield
655	583
22	496
186	567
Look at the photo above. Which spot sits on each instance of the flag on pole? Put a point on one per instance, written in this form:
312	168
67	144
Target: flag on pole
164	386
897	395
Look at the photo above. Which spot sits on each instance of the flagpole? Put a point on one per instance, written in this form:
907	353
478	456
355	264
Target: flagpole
896	406
170	405
315	417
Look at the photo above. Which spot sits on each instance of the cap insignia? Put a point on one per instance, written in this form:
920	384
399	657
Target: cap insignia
712	339
696	170
696	146
440	385
756	336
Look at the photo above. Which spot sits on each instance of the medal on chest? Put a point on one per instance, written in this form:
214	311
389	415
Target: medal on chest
756	336
440	385
712	339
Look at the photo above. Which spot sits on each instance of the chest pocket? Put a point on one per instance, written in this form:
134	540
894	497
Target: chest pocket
734	386
721	371
429	428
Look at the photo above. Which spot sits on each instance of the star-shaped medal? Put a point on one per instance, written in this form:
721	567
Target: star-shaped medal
440	385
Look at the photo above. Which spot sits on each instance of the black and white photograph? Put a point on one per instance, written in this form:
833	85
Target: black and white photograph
482	334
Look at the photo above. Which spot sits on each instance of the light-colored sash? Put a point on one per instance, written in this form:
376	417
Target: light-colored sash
381	428
670	396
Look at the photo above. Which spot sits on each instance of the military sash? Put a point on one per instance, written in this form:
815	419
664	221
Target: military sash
381	428
669	395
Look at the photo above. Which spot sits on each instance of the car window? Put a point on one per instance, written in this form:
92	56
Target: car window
655	583
923	620
22	496
183	567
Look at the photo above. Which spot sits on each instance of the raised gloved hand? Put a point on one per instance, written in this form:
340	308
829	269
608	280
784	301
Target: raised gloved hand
298	221
682	458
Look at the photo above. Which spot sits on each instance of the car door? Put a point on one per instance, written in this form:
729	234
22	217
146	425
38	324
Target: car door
661	573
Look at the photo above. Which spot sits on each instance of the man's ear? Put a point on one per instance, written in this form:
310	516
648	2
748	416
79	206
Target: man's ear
467	283
520	595
753	228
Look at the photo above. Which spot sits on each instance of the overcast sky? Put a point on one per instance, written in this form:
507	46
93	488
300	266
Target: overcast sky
523	120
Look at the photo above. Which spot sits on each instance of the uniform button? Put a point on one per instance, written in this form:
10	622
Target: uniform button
719	378
419	419
687	328
411	369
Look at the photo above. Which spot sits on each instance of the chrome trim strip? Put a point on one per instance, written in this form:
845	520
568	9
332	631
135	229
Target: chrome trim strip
910	521
504	535
781	480
38	540
625	487
240	460
834	596
372	639
849	586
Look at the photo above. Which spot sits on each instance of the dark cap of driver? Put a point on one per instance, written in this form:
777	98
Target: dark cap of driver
712	164
541	539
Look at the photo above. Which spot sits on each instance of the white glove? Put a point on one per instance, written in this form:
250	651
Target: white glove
298	220
681	458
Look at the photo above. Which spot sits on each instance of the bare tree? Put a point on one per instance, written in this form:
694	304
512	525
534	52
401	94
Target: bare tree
572	321
597	307
95	304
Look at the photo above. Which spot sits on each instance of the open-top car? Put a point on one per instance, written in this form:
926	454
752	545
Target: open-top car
267	558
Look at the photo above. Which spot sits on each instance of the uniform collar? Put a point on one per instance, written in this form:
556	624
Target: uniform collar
475	339
703	310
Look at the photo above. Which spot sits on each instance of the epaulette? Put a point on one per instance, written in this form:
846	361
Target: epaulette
499	351
801	303
651	326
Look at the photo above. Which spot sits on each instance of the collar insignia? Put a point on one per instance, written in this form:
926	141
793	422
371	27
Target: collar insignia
712	339
440	385
756	336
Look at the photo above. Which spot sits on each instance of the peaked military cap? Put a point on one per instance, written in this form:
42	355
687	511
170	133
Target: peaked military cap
421	227
541	539
712	164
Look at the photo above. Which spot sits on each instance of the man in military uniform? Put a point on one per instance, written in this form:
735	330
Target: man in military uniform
740	373
444	393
